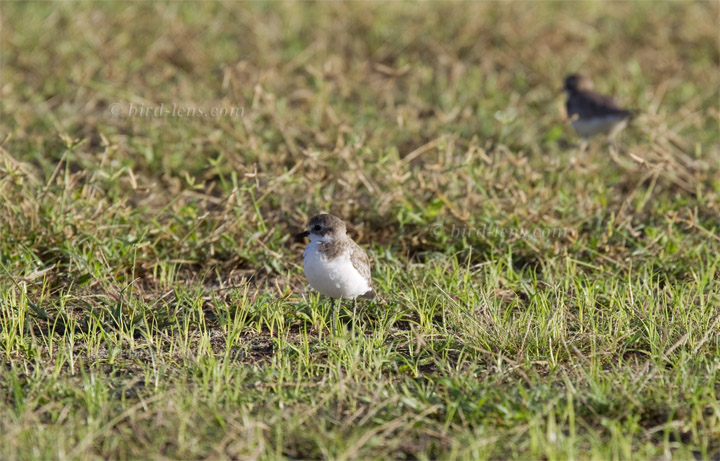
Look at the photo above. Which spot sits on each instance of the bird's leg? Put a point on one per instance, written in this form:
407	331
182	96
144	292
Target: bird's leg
335	303
612	141
354	310
576	159
612	148
584	146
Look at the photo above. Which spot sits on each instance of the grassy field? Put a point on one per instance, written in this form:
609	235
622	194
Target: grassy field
537	302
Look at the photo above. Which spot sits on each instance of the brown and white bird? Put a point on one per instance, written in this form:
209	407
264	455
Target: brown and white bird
334	264
592	113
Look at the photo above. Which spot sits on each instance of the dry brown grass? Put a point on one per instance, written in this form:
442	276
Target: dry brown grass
152	299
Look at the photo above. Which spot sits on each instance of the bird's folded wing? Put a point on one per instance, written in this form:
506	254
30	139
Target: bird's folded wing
360	262
591	104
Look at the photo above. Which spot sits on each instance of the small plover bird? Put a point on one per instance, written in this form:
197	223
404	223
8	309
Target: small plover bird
334	264
593	113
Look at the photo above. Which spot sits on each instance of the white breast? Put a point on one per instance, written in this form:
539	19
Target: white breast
610	125
336	278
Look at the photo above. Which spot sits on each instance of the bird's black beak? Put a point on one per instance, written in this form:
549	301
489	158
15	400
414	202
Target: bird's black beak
302	235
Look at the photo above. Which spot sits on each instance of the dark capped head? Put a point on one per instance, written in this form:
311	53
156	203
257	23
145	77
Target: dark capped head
324	227
578	82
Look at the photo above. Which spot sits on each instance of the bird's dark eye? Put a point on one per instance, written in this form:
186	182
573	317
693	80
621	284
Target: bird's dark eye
316	228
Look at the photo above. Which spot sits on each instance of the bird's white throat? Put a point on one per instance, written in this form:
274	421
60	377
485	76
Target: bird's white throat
327	238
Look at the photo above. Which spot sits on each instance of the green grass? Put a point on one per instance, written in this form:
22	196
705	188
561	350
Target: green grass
537	302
